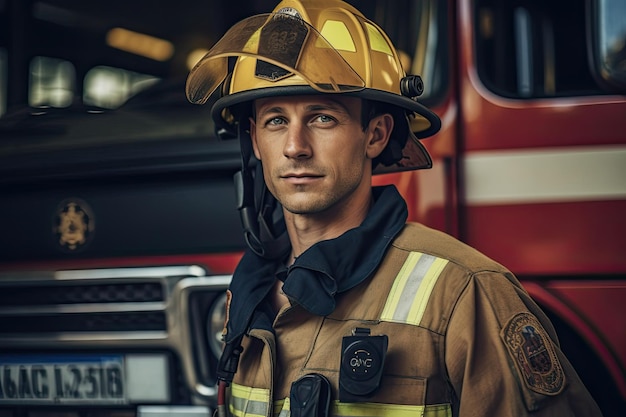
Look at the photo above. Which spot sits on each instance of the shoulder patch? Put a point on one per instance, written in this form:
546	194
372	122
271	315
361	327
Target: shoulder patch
533	353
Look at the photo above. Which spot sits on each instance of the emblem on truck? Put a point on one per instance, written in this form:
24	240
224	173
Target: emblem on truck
73	224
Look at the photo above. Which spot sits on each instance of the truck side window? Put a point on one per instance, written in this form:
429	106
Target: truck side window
608	30
533	48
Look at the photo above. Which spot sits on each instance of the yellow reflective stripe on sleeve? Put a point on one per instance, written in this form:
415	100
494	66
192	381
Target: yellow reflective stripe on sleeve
250	402
412	287
281	408
389	410
379	410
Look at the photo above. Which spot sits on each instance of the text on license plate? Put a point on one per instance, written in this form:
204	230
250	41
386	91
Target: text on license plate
76	379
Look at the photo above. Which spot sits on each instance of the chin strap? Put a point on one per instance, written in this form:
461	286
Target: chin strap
261	215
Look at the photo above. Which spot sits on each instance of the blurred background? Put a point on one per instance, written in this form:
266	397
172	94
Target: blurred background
104	51
96	134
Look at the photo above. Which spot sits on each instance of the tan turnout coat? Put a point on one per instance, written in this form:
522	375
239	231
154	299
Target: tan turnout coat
465	339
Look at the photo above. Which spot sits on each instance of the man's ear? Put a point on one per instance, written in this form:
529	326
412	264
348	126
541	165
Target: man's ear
255	147
380	128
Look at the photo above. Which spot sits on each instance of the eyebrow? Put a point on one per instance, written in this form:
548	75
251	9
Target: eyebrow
331	104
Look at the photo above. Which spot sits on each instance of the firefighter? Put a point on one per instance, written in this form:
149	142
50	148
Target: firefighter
339	307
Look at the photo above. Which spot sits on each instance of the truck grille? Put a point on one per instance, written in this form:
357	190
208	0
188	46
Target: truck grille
79	302
120	310
38	295
82	322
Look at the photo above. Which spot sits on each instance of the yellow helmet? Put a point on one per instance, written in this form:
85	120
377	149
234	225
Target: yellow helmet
316	47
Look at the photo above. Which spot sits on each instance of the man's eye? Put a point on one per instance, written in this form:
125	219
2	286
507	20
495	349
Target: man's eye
274	121
323	118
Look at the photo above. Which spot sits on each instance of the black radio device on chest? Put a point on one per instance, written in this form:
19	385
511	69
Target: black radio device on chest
362	363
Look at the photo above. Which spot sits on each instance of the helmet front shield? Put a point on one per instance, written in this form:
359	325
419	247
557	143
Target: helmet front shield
283	45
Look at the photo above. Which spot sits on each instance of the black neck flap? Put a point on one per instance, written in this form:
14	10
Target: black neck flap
325	269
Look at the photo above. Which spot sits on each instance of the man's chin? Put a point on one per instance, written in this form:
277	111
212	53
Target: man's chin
304	206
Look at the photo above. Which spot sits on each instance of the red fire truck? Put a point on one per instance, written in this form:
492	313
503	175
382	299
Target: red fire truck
531	162
119	229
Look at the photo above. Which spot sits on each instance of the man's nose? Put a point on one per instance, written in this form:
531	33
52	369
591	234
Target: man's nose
297	144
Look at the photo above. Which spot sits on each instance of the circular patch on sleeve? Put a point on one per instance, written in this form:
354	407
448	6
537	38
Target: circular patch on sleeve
533	353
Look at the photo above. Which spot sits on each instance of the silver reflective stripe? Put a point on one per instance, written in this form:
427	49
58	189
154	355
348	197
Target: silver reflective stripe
413	283
245	407
246	401
409	295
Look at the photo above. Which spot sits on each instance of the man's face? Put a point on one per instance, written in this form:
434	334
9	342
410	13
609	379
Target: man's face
314	150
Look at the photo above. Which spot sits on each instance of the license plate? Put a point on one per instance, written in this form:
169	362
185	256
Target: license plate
86	379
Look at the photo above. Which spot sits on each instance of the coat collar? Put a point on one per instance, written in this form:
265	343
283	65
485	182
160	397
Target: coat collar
325	269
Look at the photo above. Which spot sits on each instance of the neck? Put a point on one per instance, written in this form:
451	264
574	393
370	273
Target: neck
305	230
